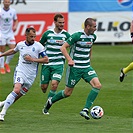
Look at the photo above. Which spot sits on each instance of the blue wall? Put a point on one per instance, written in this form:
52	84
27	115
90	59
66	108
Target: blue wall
100	5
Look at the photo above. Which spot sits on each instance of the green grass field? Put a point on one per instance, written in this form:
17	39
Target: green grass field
25	116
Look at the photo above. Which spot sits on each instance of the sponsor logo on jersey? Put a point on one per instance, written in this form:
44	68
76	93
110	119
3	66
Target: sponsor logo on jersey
91	72
84	43
60	41
57	75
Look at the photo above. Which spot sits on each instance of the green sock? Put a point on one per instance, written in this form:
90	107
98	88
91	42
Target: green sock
91	97
60	95
51	93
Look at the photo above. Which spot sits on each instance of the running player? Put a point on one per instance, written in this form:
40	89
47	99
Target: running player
26	70
53	39
79	66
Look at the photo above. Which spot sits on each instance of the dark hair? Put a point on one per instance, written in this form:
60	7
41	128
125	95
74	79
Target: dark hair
89	21
58	15
29	29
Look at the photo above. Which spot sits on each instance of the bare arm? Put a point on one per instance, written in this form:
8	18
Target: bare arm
15	25
8	52
65	53
90	52
38	60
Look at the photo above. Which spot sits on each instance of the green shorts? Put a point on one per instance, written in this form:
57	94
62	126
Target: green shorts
52	72
73	75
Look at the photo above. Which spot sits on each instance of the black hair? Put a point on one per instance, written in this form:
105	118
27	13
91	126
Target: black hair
58	15
89	21
29	29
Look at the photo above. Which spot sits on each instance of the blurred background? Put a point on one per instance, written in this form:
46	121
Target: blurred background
113	17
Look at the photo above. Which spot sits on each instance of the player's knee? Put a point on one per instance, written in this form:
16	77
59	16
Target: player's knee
67	95
68	92
98	86
17	88
54	87
17	91
44	88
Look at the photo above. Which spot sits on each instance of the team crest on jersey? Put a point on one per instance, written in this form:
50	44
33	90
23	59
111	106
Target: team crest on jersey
57	75
51	40
6	20
33	49
125	3
63	38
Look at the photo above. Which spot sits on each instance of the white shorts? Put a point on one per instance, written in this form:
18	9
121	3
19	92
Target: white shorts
19	77
7	40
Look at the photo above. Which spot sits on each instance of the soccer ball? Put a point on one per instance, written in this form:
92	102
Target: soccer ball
96	112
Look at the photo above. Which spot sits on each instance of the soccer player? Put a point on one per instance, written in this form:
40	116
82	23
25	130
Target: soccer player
8	24
53	39
79	66
26	70
130	66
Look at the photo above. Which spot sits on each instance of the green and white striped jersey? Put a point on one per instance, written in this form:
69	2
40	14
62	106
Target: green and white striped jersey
52	42
80	47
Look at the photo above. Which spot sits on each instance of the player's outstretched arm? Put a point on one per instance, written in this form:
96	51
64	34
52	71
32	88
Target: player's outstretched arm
8	52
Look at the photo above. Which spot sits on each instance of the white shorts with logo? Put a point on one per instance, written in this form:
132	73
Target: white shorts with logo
7	39
26	82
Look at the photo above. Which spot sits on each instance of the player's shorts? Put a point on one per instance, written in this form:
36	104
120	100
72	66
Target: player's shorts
26	82
73	75
51	72
7	40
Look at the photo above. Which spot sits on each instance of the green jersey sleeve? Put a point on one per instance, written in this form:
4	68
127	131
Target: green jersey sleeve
44	38
73	38
95	37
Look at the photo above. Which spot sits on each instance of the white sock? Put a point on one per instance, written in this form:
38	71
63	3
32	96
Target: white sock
9	101
2	103
2	61
8	59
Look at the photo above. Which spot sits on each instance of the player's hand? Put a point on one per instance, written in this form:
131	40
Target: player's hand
71	63
27	57
1	55
14	28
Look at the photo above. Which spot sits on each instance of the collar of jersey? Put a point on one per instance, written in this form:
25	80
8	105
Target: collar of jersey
6	10
28	44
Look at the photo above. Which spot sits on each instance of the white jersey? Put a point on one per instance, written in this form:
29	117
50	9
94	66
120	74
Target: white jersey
6	20
29	69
